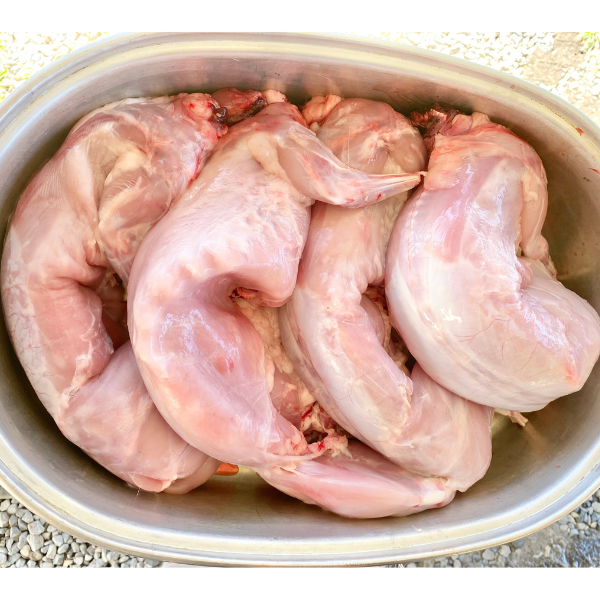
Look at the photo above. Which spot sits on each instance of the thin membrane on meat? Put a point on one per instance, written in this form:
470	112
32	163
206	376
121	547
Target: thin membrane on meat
339	341
242	224
80	221
469	280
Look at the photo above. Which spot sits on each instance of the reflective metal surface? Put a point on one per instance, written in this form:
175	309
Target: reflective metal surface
537	474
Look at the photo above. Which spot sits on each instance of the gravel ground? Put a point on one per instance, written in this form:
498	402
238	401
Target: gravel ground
557	62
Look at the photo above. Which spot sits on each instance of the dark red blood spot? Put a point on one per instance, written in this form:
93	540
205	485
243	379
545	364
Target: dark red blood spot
579	131
321	445
596	171
512	87
192	105
307	413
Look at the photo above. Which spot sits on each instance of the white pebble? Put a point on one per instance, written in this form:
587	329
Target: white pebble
35	541
488	554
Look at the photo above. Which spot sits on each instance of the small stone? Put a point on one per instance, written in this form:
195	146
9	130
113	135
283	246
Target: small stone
4	505
22	540
113	557
564	528
596	507
504	550
21	525
489	554
582	526
46	535
27	517
519	543
51	528
35	528
3	558
78	560
20	512
75	547
124	558
36	555
57	540
99	562
151	562
70	553
13	521
51	551
21	563
87	558
12	509
4	518
63	548
46	565
35	541
31	564
25	551
68	562
14	532
58	560
457	564
126	566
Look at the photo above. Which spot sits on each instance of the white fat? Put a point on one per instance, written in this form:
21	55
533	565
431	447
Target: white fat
266	322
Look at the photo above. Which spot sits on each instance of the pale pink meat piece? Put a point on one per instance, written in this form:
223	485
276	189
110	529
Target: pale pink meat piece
469	278
340	342
81	218
243	223
364	485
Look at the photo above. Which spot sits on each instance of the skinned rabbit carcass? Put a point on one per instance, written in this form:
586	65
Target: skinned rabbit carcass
80	221
242	224
469	280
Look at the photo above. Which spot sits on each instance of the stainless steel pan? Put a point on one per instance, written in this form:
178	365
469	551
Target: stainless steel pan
537	474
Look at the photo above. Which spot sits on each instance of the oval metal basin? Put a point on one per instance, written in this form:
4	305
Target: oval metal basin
537	474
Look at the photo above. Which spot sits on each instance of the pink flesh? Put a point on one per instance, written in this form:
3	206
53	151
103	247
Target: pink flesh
363	486
488	325
243	223
366	393
83	216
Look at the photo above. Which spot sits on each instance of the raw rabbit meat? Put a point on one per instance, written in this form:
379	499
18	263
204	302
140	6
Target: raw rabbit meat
242	224
80	220
364	485
338	340
469	280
